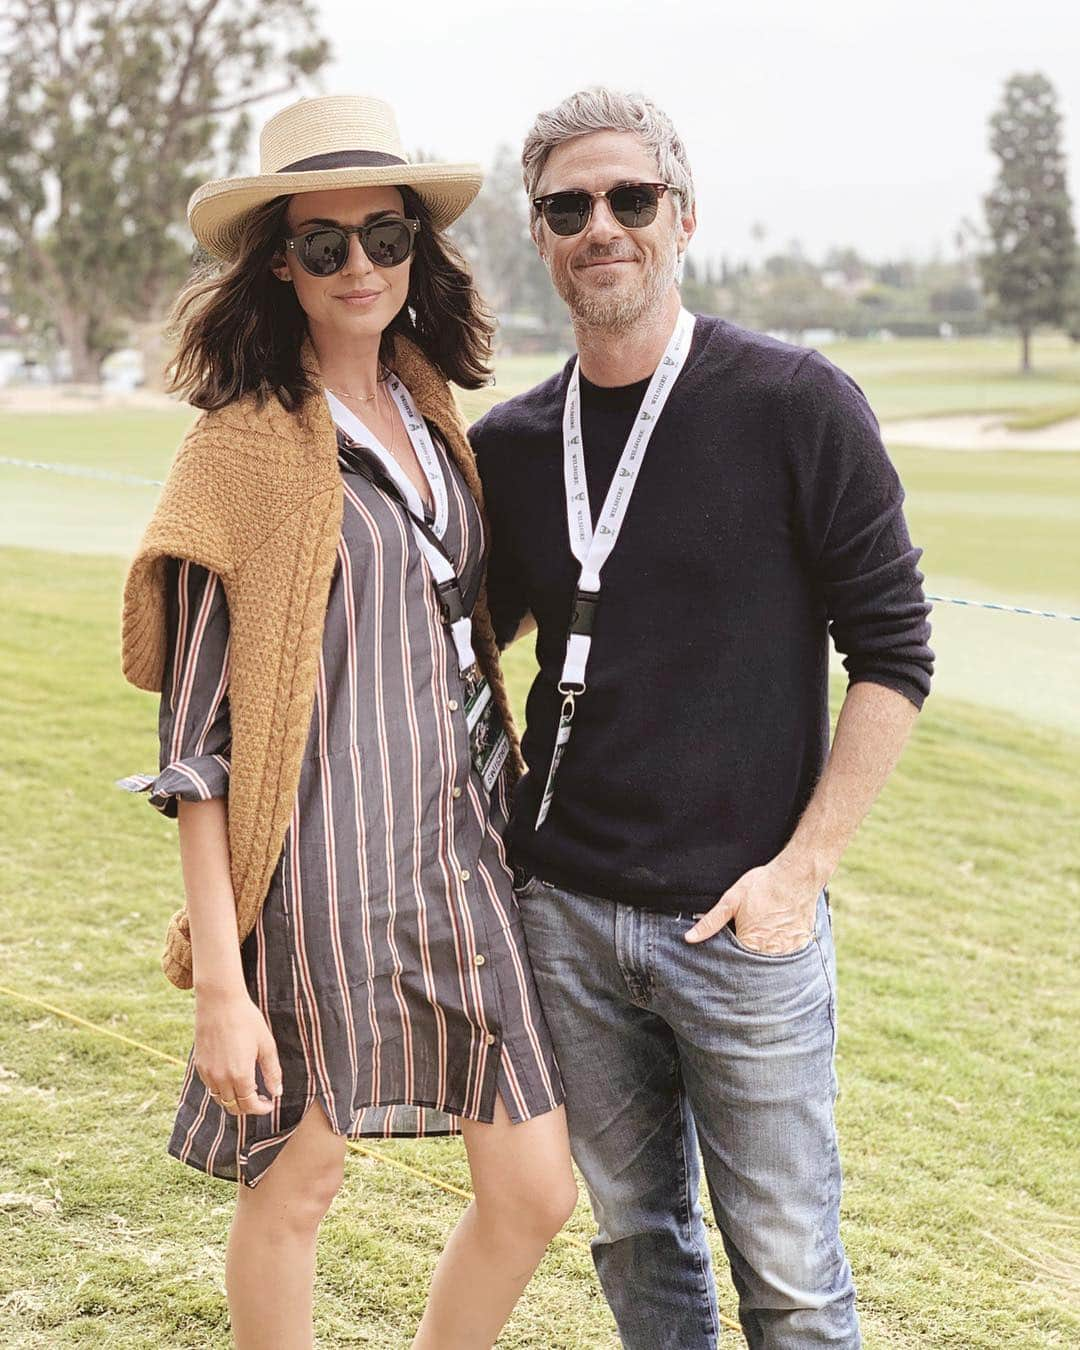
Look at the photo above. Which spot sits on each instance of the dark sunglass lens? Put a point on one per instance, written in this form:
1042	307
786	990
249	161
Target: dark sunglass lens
388	243
323	252
567	212
634	205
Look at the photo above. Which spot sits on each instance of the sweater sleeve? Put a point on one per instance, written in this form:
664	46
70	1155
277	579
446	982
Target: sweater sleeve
194	730
849	513
505	592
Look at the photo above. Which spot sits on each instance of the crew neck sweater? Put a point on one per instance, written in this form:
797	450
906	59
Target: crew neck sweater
767	517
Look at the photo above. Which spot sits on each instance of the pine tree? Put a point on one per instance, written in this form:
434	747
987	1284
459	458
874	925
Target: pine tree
1028	211
1072	301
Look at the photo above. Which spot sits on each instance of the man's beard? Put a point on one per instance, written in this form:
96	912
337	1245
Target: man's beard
617	307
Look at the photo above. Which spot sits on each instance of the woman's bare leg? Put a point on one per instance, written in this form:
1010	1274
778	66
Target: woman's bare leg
270	1263
524	1191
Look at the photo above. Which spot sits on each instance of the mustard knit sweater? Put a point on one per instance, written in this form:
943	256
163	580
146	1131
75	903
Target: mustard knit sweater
256	495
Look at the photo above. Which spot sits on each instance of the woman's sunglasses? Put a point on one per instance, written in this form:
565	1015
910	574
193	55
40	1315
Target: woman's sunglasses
632	204
324	251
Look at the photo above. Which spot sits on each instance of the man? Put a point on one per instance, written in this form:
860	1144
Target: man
687	512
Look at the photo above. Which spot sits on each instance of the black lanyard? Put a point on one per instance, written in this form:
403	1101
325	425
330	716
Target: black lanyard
358	459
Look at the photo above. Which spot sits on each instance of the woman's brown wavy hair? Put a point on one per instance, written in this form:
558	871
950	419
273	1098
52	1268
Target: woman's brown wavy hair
239	329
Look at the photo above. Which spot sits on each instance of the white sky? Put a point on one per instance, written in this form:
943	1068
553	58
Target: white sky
835	122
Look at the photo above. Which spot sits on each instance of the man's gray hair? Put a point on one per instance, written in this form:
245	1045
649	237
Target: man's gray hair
600	109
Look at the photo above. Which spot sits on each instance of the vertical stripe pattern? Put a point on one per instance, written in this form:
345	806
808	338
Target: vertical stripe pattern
389	957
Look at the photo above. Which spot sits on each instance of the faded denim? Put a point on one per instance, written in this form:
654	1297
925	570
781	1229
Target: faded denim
664	1046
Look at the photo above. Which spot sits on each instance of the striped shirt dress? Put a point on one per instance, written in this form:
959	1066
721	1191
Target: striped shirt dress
389	958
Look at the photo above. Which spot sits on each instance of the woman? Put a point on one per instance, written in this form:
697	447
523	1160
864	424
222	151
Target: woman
335	737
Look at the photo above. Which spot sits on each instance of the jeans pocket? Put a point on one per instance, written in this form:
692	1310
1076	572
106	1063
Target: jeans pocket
768	956
728	931
523	880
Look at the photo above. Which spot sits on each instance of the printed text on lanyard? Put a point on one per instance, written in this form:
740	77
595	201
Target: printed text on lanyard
593	548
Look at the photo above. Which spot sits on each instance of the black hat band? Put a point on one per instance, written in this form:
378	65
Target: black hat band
343	159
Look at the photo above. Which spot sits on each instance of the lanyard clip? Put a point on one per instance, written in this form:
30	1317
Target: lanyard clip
571	692
451	602
583	615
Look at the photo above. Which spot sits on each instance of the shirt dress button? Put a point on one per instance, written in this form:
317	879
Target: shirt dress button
490	1039
453	705
479	958
465	874
456	793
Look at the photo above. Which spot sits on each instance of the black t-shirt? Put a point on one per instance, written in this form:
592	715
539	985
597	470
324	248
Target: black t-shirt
766	516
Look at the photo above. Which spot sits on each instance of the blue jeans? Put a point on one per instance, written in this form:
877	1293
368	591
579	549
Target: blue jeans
665	1046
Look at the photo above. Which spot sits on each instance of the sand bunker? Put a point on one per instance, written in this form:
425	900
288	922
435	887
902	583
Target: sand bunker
80	398
980	433
969	432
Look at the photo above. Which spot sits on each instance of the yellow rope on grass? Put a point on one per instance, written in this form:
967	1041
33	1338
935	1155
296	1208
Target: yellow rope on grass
566	1238
92	1026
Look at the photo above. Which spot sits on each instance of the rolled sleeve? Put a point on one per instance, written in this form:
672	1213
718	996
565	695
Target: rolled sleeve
190	780
850	515
194	729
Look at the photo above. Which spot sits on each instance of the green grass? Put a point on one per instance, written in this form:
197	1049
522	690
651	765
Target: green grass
956	915
1009	520
998	526
956	919
914	377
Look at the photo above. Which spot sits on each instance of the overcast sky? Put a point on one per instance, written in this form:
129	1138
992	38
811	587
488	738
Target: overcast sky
857	122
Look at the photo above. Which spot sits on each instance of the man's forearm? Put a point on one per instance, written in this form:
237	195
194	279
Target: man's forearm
871	731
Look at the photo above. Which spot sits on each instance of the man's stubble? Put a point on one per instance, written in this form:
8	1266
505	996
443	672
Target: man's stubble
614	313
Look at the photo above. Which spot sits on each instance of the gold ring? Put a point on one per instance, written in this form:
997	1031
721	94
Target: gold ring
231	1102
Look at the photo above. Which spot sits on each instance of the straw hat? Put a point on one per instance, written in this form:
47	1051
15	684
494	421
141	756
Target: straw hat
338	141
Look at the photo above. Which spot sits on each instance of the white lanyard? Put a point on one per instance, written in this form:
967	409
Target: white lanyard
425	454
441	568
593	548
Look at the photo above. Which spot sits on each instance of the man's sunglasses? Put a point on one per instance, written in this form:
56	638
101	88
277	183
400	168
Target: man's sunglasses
632	204
324	251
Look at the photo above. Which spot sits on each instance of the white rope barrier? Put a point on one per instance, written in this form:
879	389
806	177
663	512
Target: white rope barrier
108	475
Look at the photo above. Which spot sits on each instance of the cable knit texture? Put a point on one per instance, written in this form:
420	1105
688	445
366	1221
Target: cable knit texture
256	495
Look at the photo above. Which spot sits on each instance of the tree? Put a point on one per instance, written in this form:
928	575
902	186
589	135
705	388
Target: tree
1028	211
111	113
699	287
494	235
1072	301
796	300
847	262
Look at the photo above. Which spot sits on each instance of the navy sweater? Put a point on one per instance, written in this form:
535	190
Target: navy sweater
767	517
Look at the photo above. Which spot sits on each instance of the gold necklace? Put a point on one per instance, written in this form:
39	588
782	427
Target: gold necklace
380	376
356	398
